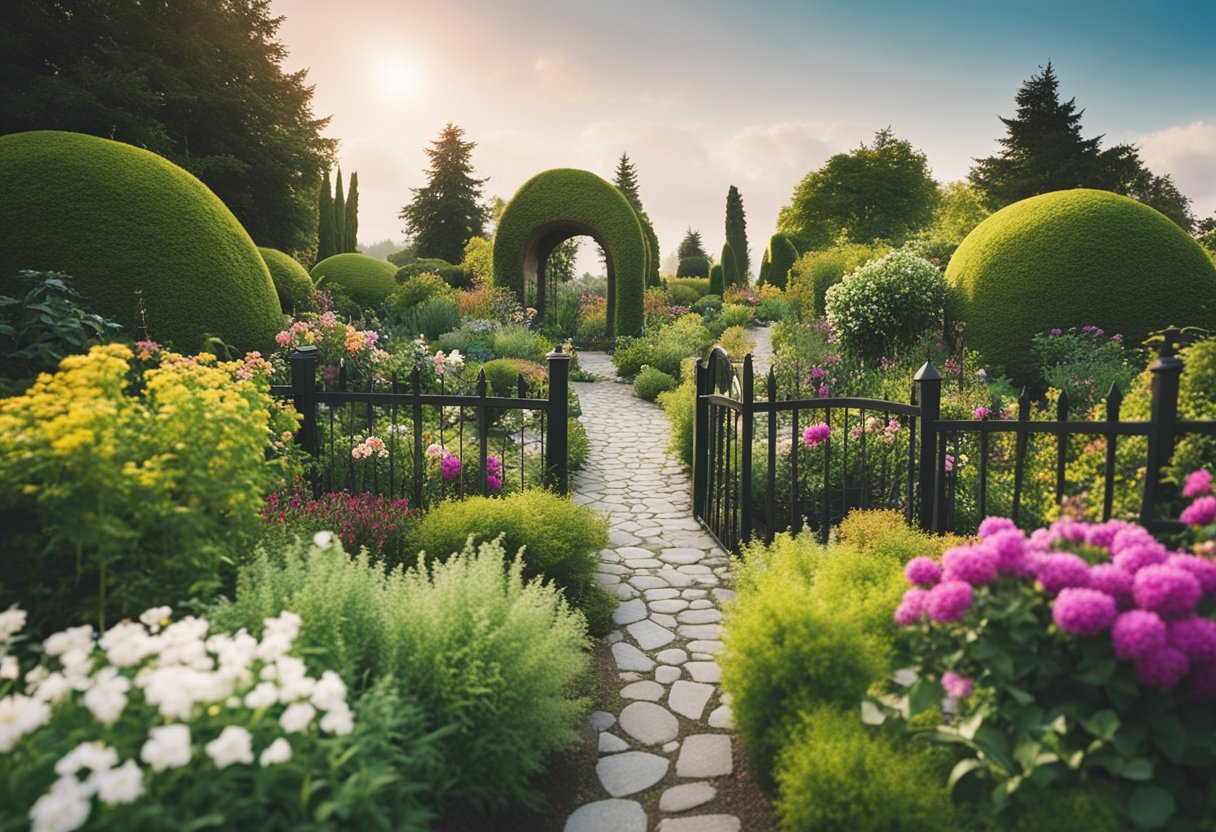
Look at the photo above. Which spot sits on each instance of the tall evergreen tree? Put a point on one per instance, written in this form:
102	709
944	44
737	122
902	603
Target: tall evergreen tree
691	246
627	182
325	221
736	231
339	215
352	214
443	215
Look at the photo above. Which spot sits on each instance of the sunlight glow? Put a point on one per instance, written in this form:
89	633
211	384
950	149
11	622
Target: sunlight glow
397	78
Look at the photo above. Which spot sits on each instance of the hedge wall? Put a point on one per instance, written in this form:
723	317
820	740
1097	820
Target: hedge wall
120	219
583	202
366	280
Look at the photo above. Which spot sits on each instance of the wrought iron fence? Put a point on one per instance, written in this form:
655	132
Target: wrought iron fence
876	453
332	420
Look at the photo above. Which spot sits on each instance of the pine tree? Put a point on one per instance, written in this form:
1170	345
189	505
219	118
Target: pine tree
352	214
627	182
730	267
690	246
736	231
339	216
1043	150
325	221
445	214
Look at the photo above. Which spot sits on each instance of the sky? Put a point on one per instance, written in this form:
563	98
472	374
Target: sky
705	94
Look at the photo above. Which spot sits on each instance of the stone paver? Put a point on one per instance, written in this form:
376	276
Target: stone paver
671	578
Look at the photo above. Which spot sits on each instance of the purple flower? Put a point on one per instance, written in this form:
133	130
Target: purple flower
493	466
1083	612
923	571
976	565
450	467
816	434
1055	330
911	609
949	601
959	687
1198	484
1194	637
1203	680
1012	557
1166	590
1200	513
992	525
1102	534
1129	536
980	413
1163	669
1115	582
1071	530
494	482
1061	570
1134	558
1137	633
1202	568
823	391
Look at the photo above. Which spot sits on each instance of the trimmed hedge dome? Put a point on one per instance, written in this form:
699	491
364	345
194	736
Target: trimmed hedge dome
1073	258
365	279
558	204
119	219
779	258
291	280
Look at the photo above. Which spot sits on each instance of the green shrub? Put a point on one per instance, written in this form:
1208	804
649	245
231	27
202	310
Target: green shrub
434	318
816	271
680	406
453	275
518	341
631	355
730	266
779	257
578	445
1074	258
837	773
736	342
502	375
489	657
413	293
291	281
651	382
474	339
736	314
566	200
1071	810
559	539
717	281
707	304
773	308
887	304
119	220
699	285
695	266
680	295
368	281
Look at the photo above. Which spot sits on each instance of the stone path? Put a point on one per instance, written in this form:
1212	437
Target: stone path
665	744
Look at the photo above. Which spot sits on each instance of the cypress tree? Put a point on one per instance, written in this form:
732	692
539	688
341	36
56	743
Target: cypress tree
736	231
730	267
352	214
325	221
717	282
339	216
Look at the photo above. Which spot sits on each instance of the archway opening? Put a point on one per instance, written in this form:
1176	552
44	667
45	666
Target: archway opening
551	255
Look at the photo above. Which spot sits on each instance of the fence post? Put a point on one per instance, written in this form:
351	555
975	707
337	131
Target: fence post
558	439
700	438
1163	416
303	364
745	467
929	396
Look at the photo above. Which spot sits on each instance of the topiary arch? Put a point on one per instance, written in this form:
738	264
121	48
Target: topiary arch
556	205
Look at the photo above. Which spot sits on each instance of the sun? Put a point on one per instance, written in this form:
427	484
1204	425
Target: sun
397	78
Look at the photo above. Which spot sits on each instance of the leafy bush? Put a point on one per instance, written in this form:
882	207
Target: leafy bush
559	540
680	406
778	258
707	304
837	773
578	446
489	657
683	285
518	341
474	340
773	308
367	280
736	314
592	319
489	303
695	266
411	294
631	355
291	281
886	304
682	295
453	275
434	318
1083	364
816	271
45	324
502	375
124	483
1072	258
736	342
717	280
651	382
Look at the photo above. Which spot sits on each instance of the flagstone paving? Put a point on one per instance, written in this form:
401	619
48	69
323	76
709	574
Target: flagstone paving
665	747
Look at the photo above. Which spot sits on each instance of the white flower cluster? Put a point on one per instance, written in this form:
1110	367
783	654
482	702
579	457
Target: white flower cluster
181	672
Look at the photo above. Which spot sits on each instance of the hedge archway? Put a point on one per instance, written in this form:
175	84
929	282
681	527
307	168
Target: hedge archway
556	205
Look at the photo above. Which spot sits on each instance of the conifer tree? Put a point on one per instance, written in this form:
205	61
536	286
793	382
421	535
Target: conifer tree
627	182
352	214
691	246
339	216
736	231
445	214
717	282
730	267
325	221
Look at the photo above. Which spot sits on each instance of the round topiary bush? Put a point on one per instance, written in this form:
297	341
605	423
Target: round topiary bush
366	280
694	266
291	281
1073	258
119	220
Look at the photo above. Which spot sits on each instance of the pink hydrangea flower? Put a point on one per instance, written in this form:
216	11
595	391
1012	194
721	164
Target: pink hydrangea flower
1134	558
1200	513
949	601
1204	570
816	434
1010	548
1138	633
1198	484
1069	529
923	571
1166	590
992	525
493	465
450	467
980	413
1061	570
1131	536
956	685
494	482
1115	582
434	450
911	610
1083	612
1102	534
1194	637
1163	669
977	565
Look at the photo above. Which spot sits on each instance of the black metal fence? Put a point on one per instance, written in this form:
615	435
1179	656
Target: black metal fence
333	419
911	462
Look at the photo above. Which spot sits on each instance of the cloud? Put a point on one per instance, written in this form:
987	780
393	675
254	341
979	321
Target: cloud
1187	153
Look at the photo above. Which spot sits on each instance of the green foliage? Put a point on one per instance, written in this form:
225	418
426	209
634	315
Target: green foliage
663	349
455	276
559	539
411	294
502	374
517	341
736	314
681	295
291	281
447	212
1084	364
680	406
730	267
578	445
488	656
708	304
736	231
351	242
887	304
1070	810
366	280
651	382
119	220
735	340
837	773
779	258
42	325
1076	258
881	192
717	279
691	246
568	200
817	271
339	215
326	245
698	285
478	262
696	265
773	308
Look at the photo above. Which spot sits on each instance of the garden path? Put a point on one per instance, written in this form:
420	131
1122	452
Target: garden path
668	758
